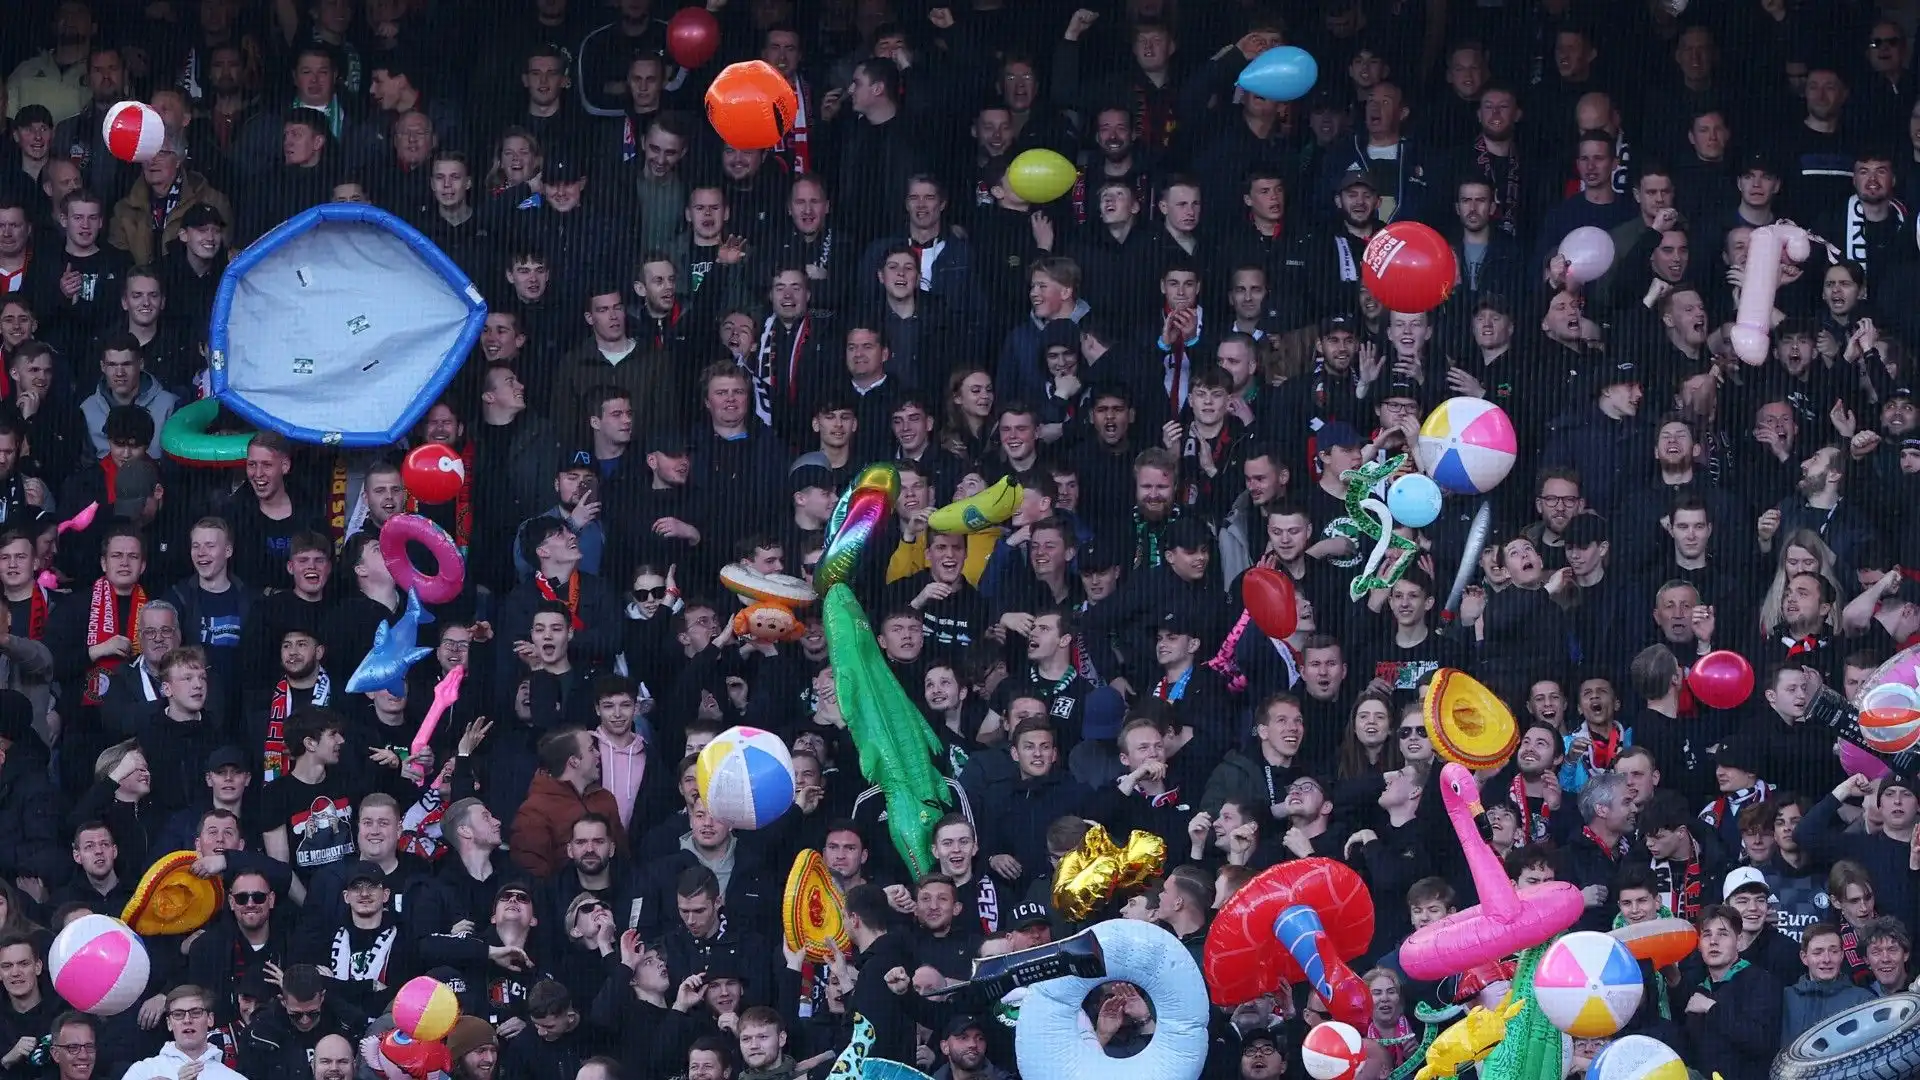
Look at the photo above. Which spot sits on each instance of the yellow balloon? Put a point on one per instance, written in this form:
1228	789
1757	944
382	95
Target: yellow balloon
1040	176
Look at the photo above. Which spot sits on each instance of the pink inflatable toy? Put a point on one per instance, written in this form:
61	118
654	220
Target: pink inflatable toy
1754	320
450	572
1503	922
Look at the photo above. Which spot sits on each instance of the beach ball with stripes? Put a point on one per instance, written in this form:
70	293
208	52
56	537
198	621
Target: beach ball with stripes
98	965
746	777
133	131
1637	1057
1890	717
1332	1051
1588	984
1467	445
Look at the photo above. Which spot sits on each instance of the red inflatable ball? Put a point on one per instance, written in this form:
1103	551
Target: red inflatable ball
693	36
1722	679
1409	267
1244	958
751	105
433	473
1268	597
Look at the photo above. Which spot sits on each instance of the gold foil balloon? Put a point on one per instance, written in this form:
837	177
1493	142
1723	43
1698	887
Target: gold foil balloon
1089	875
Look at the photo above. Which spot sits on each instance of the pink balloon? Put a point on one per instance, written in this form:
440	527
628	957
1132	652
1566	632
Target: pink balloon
1855	759
1589	253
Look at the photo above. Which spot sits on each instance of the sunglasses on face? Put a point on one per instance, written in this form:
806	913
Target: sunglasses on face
1412	732
250	899
658	592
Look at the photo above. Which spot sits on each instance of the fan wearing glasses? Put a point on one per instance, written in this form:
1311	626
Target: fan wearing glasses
241	943
288	1029
188	1055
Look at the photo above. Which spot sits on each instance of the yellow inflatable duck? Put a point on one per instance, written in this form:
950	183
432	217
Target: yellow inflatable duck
1472	1039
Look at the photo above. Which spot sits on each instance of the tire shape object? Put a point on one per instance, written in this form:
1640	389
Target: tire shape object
1049	1040
1876	1040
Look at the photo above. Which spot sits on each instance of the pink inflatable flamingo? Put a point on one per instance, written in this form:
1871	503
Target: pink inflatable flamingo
1504	922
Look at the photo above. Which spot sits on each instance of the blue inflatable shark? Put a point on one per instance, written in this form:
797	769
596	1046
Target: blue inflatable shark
394	651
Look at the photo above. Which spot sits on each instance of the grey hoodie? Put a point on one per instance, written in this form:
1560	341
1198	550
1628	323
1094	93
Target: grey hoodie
1811	1000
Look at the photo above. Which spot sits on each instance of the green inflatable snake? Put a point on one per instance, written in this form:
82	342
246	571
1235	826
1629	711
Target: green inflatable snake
897	748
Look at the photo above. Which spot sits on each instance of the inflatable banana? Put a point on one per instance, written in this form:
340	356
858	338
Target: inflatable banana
978	513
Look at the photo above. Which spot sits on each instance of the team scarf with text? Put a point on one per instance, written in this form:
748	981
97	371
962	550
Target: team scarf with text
103	623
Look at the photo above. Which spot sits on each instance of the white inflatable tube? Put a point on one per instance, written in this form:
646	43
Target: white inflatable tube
1050	1040
1754	321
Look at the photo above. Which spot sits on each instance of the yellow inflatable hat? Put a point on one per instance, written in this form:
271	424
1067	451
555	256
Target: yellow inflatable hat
1467	722
172	899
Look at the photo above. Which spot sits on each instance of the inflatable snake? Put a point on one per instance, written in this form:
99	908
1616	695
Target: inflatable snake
897	747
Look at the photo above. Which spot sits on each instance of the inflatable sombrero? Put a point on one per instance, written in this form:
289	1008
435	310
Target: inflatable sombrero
813	915
172	899
1467	722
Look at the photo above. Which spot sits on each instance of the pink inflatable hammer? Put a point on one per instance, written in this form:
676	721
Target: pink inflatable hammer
1754	320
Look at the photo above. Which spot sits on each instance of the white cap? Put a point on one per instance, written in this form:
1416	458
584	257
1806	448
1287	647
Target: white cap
1741	878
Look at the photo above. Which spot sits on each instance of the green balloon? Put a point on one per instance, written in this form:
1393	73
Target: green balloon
1041	176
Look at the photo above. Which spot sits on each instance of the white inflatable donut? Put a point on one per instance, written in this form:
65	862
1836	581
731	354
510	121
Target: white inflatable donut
1050	1040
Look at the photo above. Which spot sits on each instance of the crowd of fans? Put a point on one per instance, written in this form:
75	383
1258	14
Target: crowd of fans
691	349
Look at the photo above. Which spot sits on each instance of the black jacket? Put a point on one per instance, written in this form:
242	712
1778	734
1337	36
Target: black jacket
1740	1035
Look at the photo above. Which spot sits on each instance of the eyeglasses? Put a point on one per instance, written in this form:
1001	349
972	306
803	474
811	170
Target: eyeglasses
658	592
250	899
185	1014
77	1049
455	644
1886	42
1559	500
1262	1049
1418	730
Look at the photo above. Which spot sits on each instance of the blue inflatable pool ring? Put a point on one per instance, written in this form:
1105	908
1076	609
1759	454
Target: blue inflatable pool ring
1051	1041
340	327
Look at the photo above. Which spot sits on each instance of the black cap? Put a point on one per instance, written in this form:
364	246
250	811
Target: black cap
32	114
1097	556
1400	388
1899	780
1339	322
1189	534
1758	161
1027	913
1356	176
810	476
1738	753
670	441
1619	372
1901	391
564	167
579	459
1179	622
723	964
962	1023
1060	333
200	215
1326	100
1587	530
228	756
363	870
515	884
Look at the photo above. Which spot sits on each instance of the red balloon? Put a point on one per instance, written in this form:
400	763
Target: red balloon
417	1059
693	36
1722	679
433	473
1268	596
1409	267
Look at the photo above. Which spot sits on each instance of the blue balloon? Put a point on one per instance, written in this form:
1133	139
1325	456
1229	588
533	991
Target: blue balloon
1414	501
1282	73
394	651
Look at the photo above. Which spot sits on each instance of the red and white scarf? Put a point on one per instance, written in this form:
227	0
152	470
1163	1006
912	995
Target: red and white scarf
573	596
795	147
103	624
273	762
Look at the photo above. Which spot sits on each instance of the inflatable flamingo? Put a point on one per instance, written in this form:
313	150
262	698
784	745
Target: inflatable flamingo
1754	321
1504	922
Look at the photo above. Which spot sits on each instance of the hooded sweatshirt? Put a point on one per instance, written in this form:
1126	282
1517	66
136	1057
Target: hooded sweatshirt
167	1063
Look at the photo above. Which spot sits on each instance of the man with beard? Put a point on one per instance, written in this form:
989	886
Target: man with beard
303	683
242	943
1806	629
942	940
1819	503
333	1058
1328	261
594	866
475	1049
1871	228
